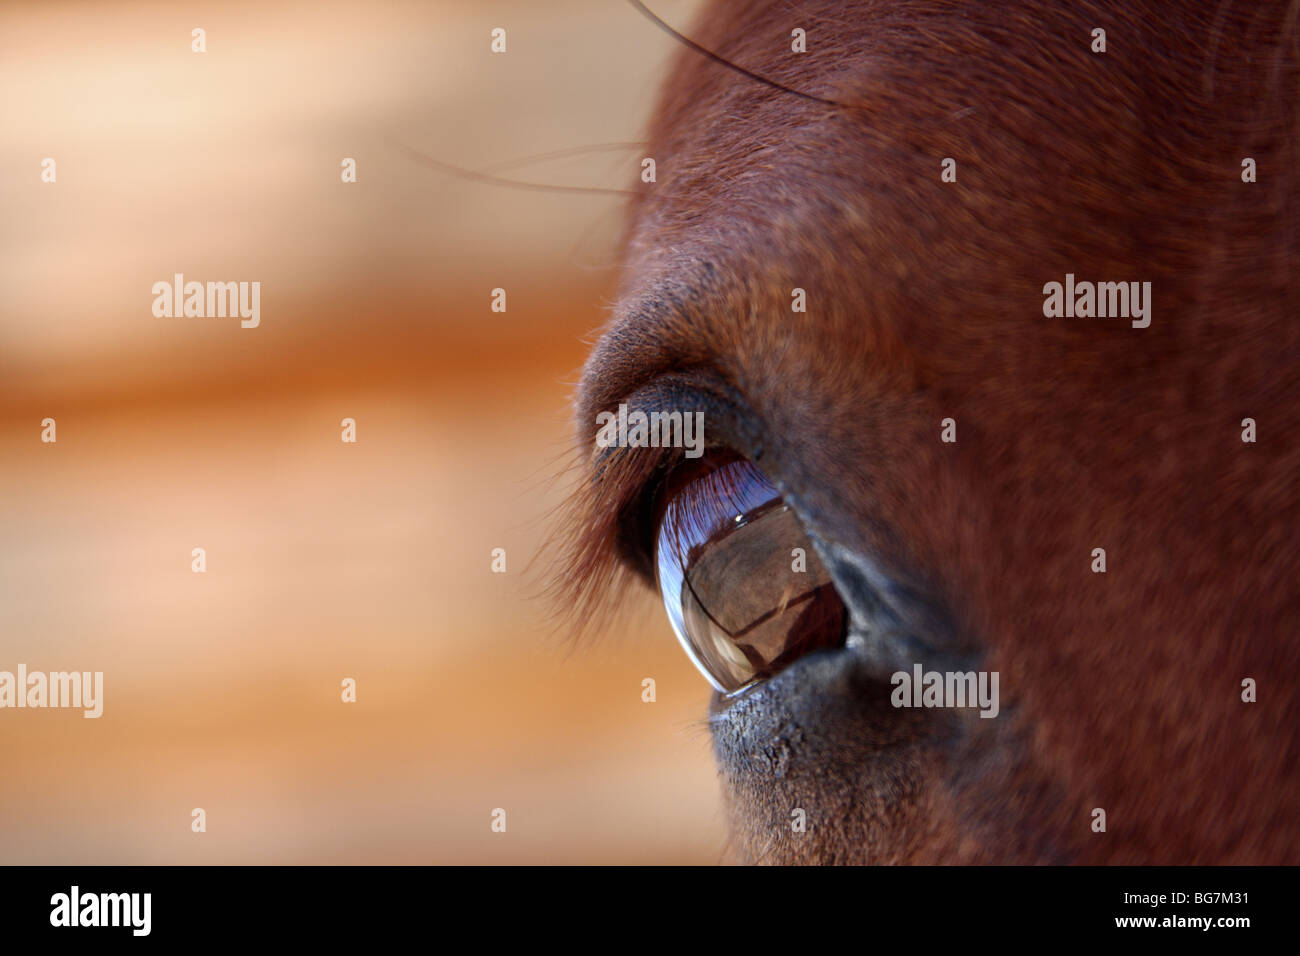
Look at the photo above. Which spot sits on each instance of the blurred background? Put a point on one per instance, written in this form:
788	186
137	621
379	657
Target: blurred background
325	560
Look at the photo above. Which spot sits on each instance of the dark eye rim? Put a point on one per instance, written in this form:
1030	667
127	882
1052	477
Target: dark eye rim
895	616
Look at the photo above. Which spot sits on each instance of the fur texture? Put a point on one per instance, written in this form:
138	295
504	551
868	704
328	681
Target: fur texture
1119	690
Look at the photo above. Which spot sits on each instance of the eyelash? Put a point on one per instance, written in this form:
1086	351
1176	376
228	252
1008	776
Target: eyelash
608	536
603	541
605	538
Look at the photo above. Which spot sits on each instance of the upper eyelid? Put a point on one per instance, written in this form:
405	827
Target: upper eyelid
648	340
698	388
686	390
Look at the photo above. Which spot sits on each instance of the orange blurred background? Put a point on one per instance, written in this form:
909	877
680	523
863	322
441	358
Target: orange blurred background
325	560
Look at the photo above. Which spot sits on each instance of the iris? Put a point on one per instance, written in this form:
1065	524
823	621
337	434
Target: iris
744	589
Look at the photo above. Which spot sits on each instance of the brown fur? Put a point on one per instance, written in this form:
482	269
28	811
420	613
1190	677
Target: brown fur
1119	690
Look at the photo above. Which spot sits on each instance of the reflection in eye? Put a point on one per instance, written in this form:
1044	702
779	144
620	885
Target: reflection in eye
742	602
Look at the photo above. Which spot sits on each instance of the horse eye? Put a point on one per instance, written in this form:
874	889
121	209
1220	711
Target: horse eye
744	589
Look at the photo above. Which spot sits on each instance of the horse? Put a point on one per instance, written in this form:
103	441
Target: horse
845	262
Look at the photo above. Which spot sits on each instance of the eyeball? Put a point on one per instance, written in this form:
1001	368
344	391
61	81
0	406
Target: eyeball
744	589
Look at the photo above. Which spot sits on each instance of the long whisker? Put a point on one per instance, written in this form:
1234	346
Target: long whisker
562	154
723	61
490	180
